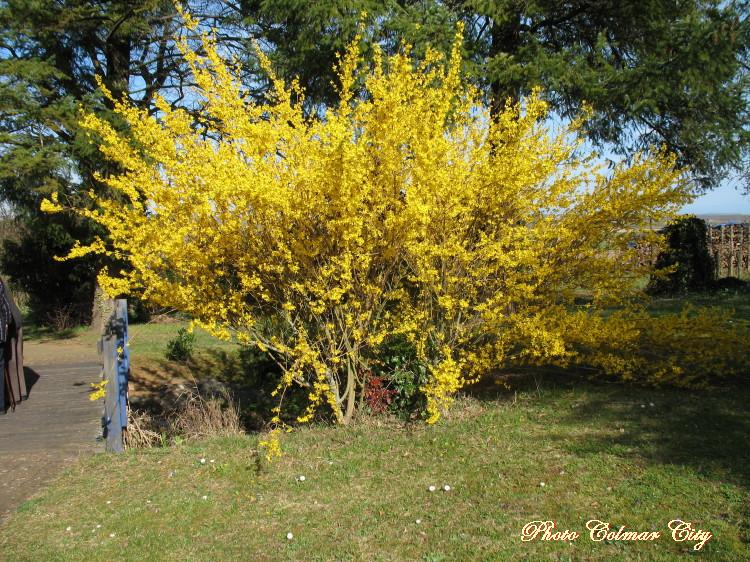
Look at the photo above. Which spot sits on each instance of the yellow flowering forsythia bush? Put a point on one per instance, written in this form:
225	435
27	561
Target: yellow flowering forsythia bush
404	211
686	349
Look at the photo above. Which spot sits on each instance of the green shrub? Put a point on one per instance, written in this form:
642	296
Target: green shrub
731	285
396	363
687	253
180	348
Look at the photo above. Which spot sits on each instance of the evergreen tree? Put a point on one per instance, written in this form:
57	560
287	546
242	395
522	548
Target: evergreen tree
653	71
687	252
50	55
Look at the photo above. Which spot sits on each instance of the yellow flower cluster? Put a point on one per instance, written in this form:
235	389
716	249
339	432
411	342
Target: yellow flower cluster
446	380
404	210
272	444
98	390
687	349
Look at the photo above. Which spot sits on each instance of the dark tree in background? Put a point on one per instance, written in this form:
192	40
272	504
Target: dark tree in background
59	294
50	53
686	251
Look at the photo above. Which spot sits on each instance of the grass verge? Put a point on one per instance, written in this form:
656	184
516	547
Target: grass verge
603	452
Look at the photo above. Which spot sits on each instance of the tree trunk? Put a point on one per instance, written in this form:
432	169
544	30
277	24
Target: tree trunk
117	52
97	307
505	37
351	387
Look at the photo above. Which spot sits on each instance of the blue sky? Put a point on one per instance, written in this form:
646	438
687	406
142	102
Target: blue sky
724	200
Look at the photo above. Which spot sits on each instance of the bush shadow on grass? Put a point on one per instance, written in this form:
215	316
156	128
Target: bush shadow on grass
705	430
248	375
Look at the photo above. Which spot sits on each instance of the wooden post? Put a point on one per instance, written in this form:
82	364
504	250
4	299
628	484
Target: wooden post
731	251
115	356
721	253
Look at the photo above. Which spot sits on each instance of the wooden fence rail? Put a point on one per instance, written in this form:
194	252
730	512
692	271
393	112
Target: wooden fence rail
729	245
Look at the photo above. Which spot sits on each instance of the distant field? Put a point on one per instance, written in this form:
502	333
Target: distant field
739	304
725	219
150	340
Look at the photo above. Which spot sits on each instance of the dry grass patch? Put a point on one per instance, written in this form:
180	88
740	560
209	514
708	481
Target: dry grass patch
198	416
192	416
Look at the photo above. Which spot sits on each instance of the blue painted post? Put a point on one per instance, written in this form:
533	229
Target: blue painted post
123	363
116	371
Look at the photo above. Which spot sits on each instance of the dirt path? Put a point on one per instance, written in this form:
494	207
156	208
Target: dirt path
57	423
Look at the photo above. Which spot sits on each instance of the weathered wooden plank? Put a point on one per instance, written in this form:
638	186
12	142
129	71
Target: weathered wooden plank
54	426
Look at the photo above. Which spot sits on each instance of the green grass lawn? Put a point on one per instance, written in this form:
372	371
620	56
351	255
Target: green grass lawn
35	332
602	450
738	303
148	340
